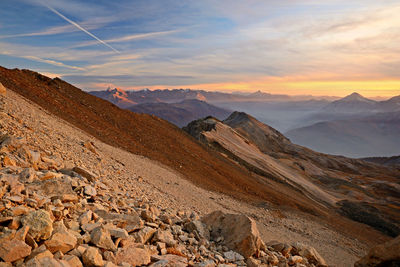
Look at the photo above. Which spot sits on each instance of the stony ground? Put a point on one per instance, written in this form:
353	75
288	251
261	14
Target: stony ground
140	184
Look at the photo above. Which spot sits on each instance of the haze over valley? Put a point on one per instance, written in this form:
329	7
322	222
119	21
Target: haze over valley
352	126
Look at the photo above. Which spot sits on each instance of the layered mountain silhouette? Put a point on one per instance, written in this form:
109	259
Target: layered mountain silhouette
116	96
181	113
353	126
353	103
240	157
123	98
369	136
176	106
355	106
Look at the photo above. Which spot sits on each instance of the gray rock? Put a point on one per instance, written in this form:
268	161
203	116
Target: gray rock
90	191
198	227
85	173
40	224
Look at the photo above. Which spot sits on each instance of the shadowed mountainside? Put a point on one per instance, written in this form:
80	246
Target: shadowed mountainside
387	161
181	113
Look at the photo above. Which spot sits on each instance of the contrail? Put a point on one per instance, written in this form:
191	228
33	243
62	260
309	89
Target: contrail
81	28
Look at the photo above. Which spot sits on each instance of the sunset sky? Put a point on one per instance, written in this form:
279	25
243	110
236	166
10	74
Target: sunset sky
286	47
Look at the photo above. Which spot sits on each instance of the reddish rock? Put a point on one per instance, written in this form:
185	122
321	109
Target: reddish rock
133	255
73	260
92	257
13	250
102	239
63	242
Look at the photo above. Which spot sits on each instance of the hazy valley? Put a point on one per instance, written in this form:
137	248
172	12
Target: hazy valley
352	126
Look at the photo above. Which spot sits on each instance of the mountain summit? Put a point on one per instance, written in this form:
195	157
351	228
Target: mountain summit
116	96
355	97
353	103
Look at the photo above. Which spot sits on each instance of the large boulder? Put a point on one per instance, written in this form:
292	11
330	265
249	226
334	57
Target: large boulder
133	255
240	232
386	254
131	220
12	250
101	237
63	241
40	224
92	257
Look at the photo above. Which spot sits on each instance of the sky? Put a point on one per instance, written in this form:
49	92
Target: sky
291	47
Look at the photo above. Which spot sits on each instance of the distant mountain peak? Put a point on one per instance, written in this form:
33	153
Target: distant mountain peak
356	97
260	93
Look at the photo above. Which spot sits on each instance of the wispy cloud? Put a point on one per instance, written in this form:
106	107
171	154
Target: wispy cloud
131	37
52	62
49	31
91	24
43	60
81	28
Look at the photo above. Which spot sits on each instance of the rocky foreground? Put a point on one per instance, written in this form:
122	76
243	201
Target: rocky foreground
51	215
66	217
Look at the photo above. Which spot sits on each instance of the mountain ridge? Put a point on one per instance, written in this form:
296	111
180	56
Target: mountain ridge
181	113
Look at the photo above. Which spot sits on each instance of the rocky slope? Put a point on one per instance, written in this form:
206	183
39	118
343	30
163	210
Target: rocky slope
56	213
363	192
57	216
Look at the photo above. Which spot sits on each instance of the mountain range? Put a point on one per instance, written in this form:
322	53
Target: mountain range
181	113
356	103
349	126
353	126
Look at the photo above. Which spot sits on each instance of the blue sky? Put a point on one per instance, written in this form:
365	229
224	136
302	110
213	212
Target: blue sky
288	46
